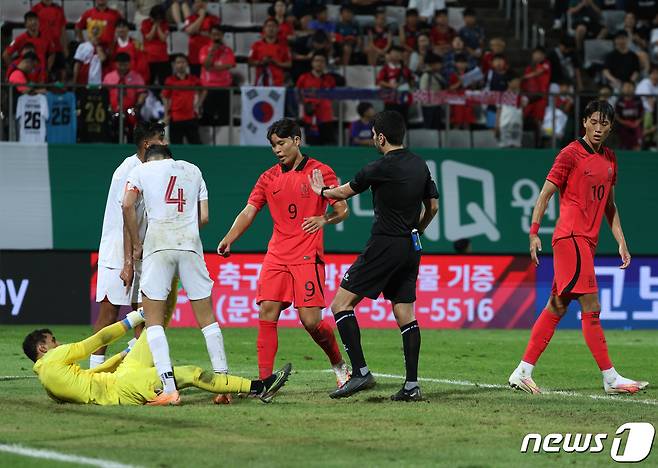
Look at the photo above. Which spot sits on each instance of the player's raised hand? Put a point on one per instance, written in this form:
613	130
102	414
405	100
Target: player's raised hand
535	246
313	224
224	248
317	181
625	256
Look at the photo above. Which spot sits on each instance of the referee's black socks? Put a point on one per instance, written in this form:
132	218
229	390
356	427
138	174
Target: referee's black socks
411	344
350	334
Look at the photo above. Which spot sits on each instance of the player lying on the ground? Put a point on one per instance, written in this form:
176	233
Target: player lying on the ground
130	381
585	173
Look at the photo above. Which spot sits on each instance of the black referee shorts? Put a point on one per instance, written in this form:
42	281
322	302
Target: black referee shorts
388	265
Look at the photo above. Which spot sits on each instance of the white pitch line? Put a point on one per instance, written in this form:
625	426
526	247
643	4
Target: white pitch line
63	457
16	377
468	383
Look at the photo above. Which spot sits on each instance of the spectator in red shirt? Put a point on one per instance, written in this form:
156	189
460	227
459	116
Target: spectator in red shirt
154	33
395	75
35	75
52	24
380	39
123	43
442	33
270	57
461	115
182	106
318	115
536	80
19	76
217	60
197	26
496	47
286	28
133	98
42	46
409	32
629	112
101	15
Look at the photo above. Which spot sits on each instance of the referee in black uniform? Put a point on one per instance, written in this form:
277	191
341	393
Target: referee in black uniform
405	199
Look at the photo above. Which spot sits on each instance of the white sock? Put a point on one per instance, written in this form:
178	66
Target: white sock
96	360
157	340
526	368
410	385
215	345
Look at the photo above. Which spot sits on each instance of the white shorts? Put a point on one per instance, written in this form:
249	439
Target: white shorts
110	285
159	268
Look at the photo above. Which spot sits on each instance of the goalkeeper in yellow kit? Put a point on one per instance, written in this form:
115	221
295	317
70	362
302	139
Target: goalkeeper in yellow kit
128	378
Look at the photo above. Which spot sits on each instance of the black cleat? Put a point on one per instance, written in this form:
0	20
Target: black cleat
408	395
354	385
281	378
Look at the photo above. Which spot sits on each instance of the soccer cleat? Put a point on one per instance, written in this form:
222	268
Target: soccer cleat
222	399
281	378
624	387
165	399
408	395
354	385
518	381
342	372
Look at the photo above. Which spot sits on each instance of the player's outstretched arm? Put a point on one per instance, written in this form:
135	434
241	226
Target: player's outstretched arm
342	192
612	215
430	209
240	225
547	191
111	364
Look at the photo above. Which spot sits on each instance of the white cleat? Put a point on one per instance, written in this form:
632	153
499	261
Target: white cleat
624	386
342	372
518	381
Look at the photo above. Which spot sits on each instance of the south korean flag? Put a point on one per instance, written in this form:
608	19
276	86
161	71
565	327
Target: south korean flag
261	107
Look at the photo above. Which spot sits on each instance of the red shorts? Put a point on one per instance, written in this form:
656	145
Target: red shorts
573	262
301	285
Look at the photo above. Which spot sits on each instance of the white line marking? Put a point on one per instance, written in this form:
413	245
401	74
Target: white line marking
57	456
16	377
467	383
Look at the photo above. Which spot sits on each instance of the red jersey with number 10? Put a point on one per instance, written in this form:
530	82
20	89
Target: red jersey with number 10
291	199
585	179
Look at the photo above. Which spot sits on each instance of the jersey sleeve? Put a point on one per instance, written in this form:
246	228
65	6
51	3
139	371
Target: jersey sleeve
45	112
167	92
258	197
366	177
133	181
330	179
561	169
430	188
203	189
82	349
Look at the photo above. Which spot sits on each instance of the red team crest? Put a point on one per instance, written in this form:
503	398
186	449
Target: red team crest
306	193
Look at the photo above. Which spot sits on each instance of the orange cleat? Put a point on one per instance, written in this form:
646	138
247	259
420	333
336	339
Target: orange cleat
165	399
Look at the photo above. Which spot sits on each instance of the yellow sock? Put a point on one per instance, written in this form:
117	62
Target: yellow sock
192	376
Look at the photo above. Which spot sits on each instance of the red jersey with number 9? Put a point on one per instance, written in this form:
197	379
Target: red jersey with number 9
291	199
584	178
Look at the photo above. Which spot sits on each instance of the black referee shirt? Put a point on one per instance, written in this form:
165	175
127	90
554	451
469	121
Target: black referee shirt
400	181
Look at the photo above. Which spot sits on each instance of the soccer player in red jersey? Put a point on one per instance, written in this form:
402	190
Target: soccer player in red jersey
293	268
584	173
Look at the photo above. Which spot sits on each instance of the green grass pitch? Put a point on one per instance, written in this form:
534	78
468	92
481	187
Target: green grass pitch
460	424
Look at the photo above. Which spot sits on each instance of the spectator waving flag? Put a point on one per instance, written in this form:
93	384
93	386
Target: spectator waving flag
261	106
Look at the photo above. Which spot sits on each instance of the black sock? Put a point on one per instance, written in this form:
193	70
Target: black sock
257	386
411	344
350	335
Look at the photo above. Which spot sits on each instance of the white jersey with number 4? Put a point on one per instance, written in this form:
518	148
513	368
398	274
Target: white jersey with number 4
110	252
172	190
32	114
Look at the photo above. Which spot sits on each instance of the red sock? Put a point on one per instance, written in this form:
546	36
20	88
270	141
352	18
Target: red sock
595	339
324	336
267	345
542	332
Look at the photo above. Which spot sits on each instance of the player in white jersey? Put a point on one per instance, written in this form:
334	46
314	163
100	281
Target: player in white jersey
176	203
32	114
114	284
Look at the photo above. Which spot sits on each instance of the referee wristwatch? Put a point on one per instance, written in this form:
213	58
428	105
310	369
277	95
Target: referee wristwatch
322	191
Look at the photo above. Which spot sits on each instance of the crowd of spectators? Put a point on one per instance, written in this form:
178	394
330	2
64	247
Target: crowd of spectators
301	47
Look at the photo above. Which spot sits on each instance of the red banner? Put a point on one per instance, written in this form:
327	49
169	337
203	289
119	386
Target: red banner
452	292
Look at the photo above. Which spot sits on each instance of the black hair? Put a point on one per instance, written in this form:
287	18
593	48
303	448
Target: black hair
621	34
122	22
176	56
568	41
122	57
157	13
468	12
391	124
318	54
443	11
380	11
146	130
217	27
270	20
653	68
346	8
396	48
158	150
320	9
319	37
30	14
431	57
284	128
363	107
601	106
461	245
461	57
411	12
30	56
33	340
